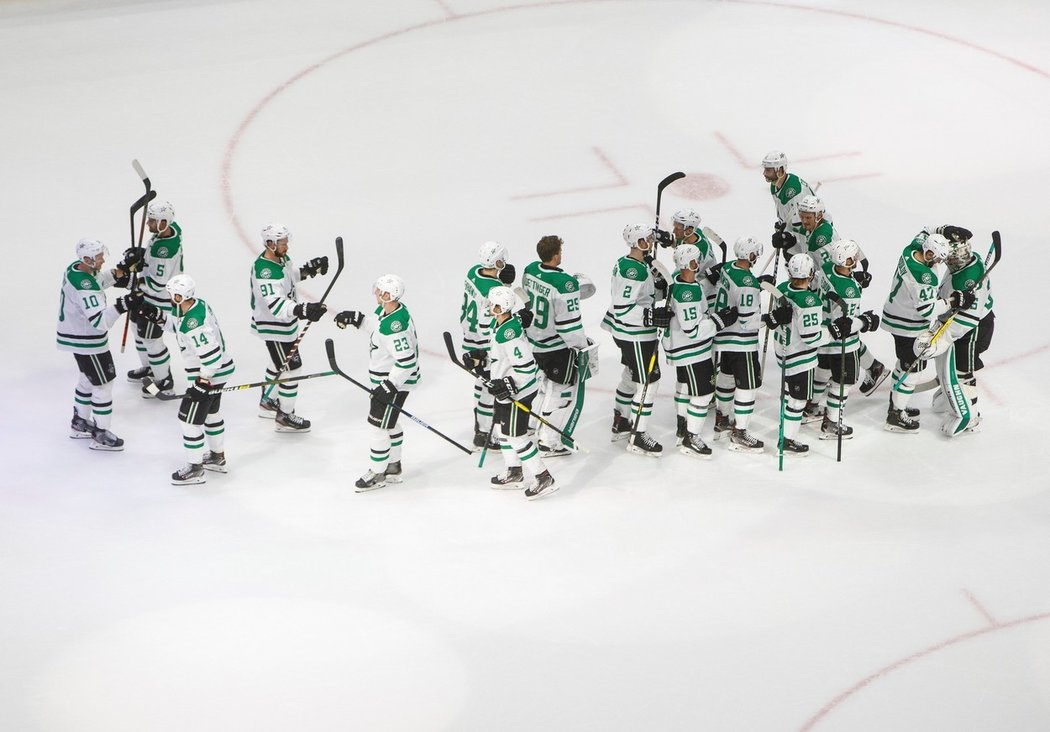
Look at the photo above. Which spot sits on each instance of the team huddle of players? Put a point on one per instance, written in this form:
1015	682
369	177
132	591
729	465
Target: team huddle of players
527	347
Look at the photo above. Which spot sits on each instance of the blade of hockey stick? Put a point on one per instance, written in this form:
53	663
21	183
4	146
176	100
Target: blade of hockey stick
660	191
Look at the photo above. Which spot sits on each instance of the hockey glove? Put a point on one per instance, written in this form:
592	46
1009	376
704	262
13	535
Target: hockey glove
714	273
767	278
129	302
954	233
476	360
863	278
725	317
840	328
962	300
503	389
526	317
385	391
659	283
783	239
311	311
507	274
199	391
149	313
868	321
778	316
587	288
350	317
926	347
656	317
133	260
663	238
316	266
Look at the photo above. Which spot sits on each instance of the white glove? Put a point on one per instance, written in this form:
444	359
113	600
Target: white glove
587	287
927	348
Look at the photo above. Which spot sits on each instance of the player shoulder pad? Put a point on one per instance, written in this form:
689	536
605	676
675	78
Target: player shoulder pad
508	331
565	283
81	280
396	322
686	291
266	270
792	187
194	317
632	269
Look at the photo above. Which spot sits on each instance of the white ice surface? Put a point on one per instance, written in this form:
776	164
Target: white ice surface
906	588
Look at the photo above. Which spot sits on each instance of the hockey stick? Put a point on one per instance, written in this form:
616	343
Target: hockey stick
148	196
302	334
994	256
329	346
151	386
660	192
450	346
713	236
765	338
775	295
835	298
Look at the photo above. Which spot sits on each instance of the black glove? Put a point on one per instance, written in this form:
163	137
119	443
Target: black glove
841	327
663	238
311	311
506	275
954	233
868	321
714	273
149	313
783	239
476	360
316	266
503	389
199	391
129	302
350	317
659	317
725	317
863	278
133	260
778	316
385	391
962	299
525	316
659	283
767	278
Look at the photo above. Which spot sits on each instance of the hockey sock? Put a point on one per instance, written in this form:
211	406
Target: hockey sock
397	436
482	407
724	389
379	448
834	403
159	358
102	405
143	351
681	399
644	409
510	455
743	407
557	398
793	410
287	393
821	377
696	413
193	443
525	454
901	395
866	359
82	397
625	393
215	433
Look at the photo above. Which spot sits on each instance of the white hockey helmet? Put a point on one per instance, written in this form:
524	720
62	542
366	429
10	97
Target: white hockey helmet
686	254
491	253
272	233
390	285
938	246
960	255
90	248
160	211
181	285
632	233
800	267
503	297
747	247
811	204
774	159
843	250
687	217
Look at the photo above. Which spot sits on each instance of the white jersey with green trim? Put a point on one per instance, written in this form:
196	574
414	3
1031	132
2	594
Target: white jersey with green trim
474	317
909	308
274	298
797	341
846	288
967	279
554	298
394	353
708	259
511	355
786	199
162	261
690	337
84	314
201	341
632	292
739	288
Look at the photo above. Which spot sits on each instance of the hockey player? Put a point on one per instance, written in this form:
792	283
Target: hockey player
492	270
557	337
907	314
686	230
787	190
633	319
739	374
393	368
688	346
84	319
276	312
837	364
799	331
208	367
513	374
160	260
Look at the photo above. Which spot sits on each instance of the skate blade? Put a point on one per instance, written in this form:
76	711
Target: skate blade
517	485
74	435
547	454
694	453
741	448
813	418
617	436
190	481
900	430
794	455
393	479
553	488
105	448
282	428
825	436
875	385
216	468
640	451
266	414
368	488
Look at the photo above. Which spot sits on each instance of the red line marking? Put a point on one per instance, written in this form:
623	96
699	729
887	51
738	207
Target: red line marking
981	609
621	181
733	151
591	211
449	12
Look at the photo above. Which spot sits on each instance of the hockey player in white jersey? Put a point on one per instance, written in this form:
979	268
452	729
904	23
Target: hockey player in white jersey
208	368
688	344
393	369
557	338
513	373
84	319
633	320
276	312
686	230
159	260
787	190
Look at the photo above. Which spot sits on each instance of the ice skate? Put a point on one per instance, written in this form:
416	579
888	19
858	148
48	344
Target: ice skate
285	422
793	448
743	441
898	420
544	485
695	447
80	428
392	474
681	432
813	413
139	374
723	425
621	427
106	440
875	376
369	482
640	443
829	430
547	451
511	480
214	461
268	408
189	475
165	387
480	440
